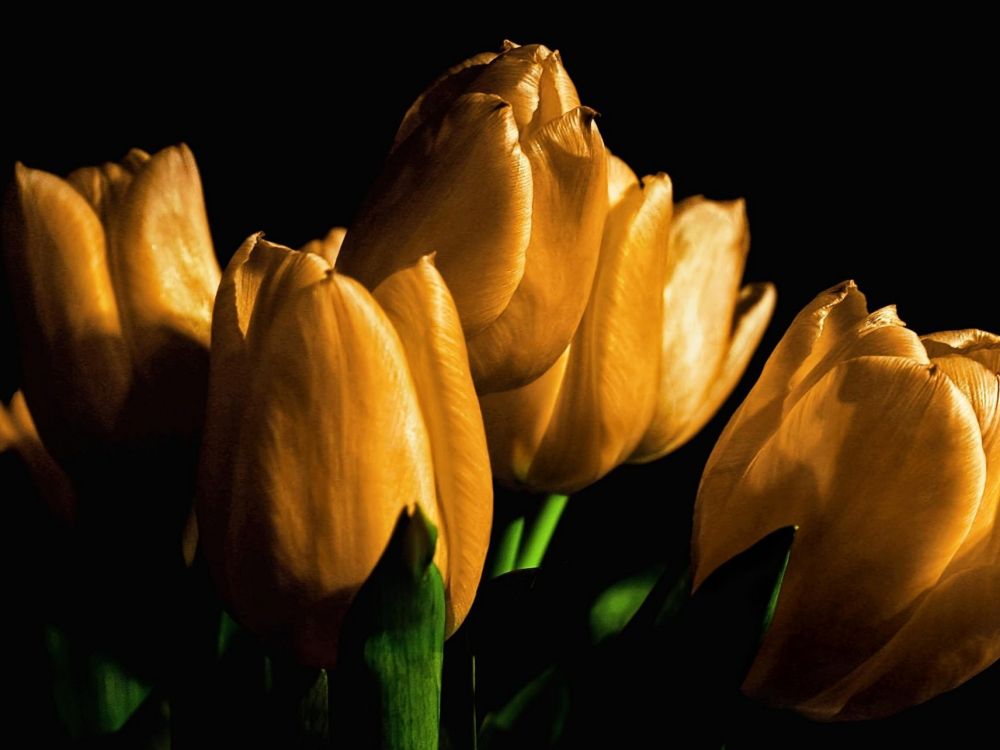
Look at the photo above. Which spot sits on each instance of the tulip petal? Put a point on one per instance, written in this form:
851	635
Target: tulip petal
953	635
259	276
982	388
609	390
621	181
516	422
459	187
437	97
76	365
328	247
866	550
515	76
569	169
834	317
105	187
420	307
332	451
753	312
556	93
981	346
162	260
707	250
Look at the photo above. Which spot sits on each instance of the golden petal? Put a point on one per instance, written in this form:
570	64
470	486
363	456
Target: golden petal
459	187
328	247
334	448
76	364
753	312
419	306
569	169
953	635
881	466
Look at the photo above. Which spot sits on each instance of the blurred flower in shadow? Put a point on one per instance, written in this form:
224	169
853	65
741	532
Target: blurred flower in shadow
666	334
112	275
330	410
498	170
883	447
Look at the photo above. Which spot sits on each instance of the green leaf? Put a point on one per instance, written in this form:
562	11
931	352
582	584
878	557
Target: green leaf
619	603
386	690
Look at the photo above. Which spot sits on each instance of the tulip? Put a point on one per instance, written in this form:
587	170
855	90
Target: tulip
498	170
19	437
666	334
882	447
330	411
112	275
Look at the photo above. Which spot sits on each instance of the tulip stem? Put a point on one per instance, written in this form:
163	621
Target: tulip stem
508	543
537	541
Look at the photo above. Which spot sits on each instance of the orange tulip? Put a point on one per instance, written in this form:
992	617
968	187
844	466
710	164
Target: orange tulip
330	410
112	275
498	170
666	334
883	448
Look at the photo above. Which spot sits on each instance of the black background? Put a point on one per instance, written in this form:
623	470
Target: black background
865	149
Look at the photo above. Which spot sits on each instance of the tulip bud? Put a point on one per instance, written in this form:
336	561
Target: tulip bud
666	334
348	408
883	449
498	170
112	275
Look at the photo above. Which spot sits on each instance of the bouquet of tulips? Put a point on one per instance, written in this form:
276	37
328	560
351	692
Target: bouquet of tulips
357	452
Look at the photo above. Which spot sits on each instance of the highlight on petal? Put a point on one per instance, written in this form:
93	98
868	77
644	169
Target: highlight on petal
707	250
459	187
621	181
77	369
820	480
569	172
753	312
162	261
417	302
609	389
314	512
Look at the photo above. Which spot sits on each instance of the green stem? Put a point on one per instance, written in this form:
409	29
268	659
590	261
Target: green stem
508	543
534	546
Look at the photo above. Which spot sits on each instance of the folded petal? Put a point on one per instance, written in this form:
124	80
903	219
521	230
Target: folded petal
707	249
953	635
569	172
753	312
867	548
76	365
609	390
459	187
328	247
556	93
331	452
417	302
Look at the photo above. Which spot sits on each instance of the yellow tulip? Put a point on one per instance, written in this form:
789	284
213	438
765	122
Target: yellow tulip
666	334
883	448
498	170
112	275
330	410
19	437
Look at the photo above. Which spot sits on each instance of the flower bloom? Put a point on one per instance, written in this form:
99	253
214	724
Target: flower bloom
882	447
498	170
112	275
330	410
666	335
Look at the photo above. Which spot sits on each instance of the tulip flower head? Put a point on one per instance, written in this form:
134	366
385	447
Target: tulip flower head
330	410
666	334
113	276
883	448
498	170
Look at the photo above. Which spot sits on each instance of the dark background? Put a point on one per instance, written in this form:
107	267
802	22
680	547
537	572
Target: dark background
865	149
